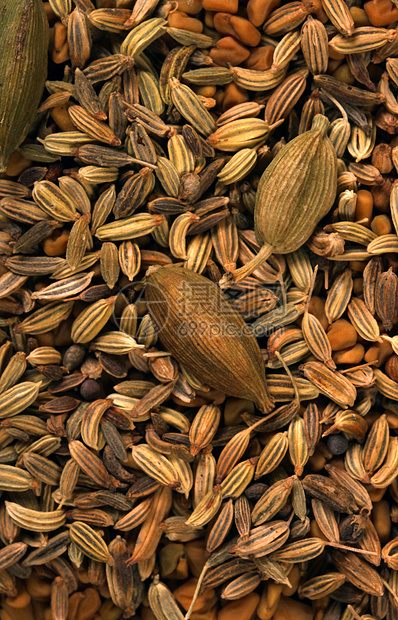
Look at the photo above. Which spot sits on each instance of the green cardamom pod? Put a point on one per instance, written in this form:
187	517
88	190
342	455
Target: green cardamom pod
197	324
295	192
23	70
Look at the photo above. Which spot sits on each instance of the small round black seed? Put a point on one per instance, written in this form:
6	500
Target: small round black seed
90	390
337	444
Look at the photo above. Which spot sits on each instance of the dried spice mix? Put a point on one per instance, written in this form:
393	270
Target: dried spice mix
198	309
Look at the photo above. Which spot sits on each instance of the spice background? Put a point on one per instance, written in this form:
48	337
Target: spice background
198	310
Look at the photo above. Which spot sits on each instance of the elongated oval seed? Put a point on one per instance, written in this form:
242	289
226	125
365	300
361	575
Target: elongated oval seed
212	358
90	542
35	520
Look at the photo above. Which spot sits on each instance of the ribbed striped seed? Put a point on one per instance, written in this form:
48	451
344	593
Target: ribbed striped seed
347	203
10	283
180	156
162	602
35	520
114	343
120	577
53	201
78	242
285	51
59	599
354	232
41	468
300	268
64	288
178	233
183	473
285	96
92	466
167	175
90	542
314	45
389	470
96	174
221	527
185	37
385	298
317	340
45	319
64	271
18	398
135	517
326	520
191	108
353	463
360	40
89	125
149	92
339	15
226	243
291	354
312	427
68	481
383	244
173	65
13	371
204	475
332	384
278	318
241	586
91	320
239	478
11	554
15	479
109	263
272	454
318	587
203	427
339	296
142	35
130	228
102	208
299	551
232	452
358	572
238	167
90	424
198	253
363	321
298	449
239	134
129	259
206	508
79	38
285	19
64	143
272	501
376	445
281	389
263	540
361	143
242	516
156	466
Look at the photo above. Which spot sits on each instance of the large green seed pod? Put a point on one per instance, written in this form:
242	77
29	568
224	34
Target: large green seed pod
295	192
202	330
23	70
